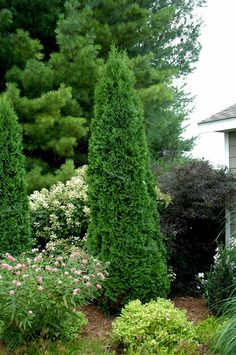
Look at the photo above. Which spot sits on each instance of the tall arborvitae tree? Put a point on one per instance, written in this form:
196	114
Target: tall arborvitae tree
14	207
124	227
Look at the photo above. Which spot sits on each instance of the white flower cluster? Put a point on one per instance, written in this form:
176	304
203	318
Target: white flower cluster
61	211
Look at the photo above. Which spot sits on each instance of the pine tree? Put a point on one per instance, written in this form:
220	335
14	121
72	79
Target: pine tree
124	228
14	208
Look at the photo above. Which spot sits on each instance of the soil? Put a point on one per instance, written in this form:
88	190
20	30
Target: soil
99	325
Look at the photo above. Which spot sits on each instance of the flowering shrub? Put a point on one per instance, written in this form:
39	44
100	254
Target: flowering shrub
61	211
155	327
163	199
221	279
39	293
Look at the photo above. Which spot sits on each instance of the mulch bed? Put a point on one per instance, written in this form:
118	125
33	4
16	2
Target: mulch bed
99	325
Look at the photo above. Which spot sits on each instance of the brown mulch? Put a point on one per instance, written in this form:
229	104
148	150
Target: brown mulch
196	307
99	325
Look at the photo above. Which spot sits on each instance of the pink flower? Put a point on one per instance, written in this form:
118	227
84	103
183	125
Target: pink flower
76	291
78	272
28	260
47	267
84	262
98	286
38	269
59	258
63	264
10	257
40	288
7	267
35	250
16	283
12	293
54	270
100	276
20	267
38	258
74	255
66	273
39	280
56	263
77	280
17	273
86	278
88	284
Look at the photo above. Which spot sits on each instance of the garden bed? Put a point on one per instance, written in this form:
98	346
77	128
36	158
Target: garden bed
98	331
99	325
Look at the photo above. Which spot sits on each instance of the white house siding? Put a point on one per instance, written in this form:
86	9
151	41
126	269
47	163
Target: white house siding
232	166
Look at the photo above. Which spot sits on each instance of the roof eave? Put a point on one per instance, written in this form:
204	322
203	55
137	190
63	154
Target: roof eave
223	125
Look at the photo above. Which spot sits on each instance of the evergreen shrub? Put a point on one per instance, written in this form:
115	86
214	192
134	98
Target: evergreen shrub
124	228
14	205
39	177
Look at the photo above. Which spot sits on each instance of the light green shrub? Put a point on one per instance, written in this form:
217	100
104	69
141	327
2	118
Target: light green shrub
61	212
207	330
155	327
73	326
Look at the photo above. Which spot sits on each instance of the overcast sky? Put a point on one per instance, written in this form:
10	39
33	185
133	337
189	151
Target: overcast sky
214	80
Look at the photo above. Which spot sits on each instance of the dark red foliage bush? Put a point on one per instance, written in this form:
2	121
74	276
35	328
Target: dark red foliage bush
194	221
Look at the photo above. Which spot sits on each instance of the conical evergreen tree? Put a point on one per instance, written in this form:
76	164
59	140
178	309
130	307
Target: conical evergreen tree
14	208
124	228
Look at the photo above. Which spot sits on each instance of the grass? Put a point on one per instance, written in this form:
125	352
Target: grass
45	347
225	342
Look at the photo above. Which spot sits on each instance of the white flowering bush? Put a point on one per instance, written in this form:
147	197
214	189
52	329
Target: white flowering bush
220	282
60	212
39	293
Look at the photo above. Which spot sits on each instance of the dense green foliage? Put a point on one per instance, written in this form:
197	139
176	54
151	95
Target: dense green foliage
14	207
46	44
220	280
124	226
194	220
41	291
155	328
50	136
60	212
